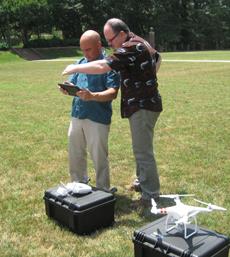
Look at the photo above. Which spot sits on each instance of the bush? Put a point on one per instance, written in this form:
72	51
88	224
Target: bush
4	46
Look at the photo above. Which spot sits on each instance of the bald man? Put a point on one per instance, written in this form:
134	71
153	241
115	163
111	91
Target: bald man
91	115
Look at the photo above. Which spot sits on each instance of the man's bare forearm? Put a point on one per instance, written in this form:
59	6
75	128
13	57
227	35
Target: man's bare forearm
94	67
107	95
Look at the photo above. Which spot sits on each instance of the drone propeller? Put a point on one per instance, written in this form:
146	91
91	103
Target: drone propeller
176	195
211	206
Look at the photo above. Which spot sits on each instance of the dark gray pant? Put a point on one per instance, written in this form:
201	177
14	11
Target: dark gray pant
142	125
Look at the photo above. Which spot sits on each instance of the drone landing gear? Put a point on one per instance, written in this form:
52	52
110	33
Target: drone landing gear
178	224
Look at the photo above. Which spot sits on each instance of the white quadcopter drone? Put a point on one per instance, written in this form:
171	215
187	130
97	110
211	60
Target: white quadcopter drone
179	216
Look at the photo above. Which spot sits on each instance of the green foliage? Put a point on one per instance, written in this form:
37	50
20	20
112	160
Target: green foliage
66	16
190	25
181	25
26	17
4	46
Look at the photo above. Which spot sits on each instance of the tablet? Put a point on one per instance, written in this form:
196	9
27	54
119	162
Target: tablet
69	88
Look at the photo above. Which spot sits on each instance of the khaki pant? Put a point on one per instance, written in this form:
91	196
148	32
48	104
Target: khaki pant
85	134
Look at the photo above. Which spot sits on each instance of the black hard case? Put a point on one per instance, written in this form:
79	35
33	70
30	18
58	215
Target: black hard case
82	214
153	240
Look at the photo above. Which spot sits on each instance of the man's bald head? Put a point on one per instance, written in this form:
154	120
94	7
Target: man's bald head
90	35
90	44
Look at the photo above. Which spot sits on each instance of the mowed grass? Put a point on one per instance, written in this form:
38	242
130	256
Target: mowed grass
198	55
192	141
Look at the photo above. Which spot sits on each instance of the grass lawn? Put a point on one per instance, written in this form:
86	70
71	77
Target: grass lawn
198	55
192	141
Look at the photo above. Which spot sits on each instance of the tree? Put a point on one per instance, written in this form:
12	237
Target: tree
168	24
26	17
5	24
178	24
66	17
210	27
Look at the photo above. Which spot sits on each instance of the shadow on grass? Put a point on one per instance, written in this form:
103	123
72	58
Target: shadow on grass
123	204
124	208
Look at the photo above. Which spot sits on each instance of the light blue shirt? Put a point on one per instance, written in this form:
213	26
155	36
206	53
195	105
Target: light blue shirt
100	112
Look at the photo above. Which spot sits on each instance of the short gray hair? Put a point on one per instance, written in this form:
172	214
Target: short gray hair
117	25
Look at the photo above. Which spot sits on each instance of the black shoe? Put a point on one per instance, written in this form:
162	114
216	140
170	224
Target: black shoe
113	190
135	186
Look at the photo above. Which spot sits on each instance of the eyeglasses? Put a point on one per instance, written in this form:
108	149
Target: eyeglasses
111	39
